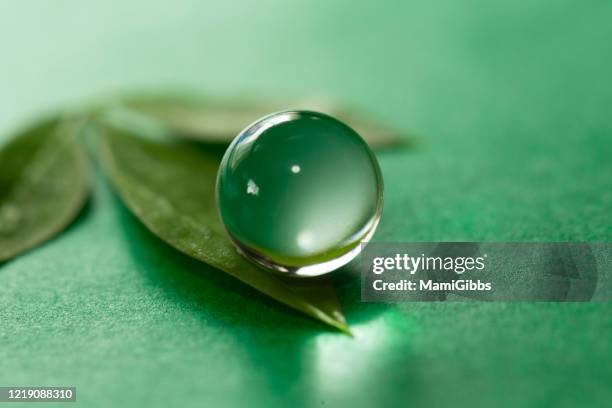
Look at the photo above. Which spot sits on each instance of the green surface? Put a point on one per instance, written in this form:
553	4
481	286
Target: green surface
299	189
510	108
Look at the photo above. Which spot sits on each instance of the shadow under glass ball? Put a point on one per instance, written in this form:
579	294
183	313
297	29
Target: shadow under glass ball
298	191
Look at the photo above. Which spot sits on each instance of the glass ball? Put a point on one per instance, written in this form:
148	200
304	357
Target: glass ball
298	191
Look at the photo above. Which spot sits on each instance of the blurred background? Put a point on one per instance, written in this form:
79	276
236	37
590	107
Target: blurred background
526	82
433	68
507	109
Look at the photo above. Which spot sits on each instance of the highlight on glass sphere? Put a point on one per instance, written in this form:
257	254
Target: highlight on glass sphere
298	191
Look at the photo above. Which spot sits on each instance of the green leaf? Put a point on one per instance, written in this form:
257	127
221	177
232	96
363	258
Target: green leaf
170	186
43	184
219	121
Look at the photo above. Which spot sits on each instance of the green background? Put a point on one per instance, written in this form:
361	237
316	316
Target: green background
507	108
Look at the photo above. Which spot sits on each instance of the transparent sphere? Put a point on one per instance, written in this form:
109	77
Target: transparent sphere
298	191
